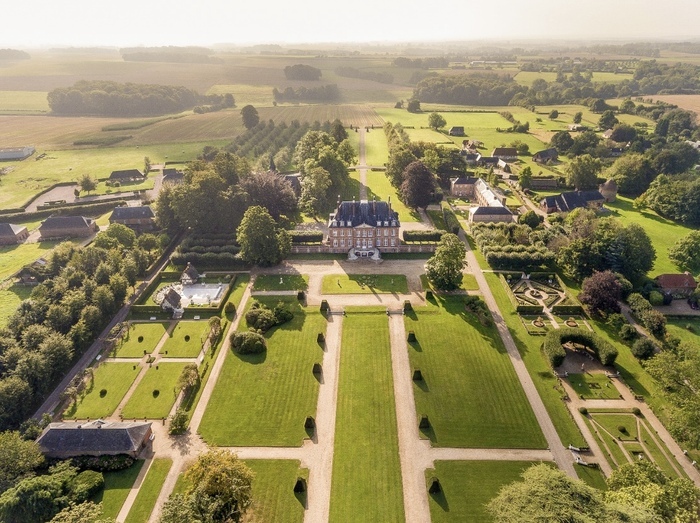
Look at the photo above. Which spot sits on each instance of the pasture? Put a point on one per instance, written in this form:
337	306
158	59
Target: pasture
148	493
141	339
118	484
366	467
10	299
104	392
467	486
23	102
278	382
155	394
14	257
364	284
469	390
186	340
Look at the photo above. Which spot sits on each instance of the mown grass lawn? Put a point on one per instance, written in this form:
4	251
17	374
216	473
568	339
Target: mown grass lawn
679	329
115	379
366	467
289	282
263	399
186	340
273	491
155	394
593	386
14	257
149	335
148	493
379	187
364	284
468	283
469	391
10	299
467	486
116	489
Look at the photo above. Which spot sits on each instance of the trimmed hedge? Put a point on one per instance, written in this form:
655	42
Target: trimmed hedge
567	310
65	210
306	236
555	353
521	309
422	236
224	260
451	221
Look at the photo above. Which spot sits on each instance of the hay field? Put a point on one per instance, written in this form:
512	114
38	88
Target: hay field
690	102
23	102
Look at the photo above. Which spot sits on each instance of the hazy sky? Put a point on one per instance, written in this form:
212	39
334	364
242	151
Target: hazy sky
34	23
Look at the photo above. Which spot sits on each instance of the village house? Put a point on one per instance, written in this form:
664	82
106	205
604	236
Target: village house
363	228
568	201
173	176
678	285
189	276
139	218
98	438
12	234
463	187
507	154
56	227
172	302
546	155
9	154
127	175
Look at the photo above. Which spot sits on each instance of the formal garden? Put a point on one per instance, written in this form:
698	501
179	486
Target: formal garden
185	340
155	395
104	390
139	339
364	284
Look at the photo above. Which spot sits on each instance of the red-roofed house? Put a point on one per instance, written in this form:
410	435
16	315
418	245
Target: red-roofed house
679	285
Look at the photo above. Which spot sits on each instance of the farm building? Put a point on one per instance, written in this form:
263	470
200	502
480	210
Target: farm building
487	161
678	285
56	227
463	186
127	175
540	183
173	176
470	158
577	128
456	131
9	154
140	218
363	228
98	438
568	201
546	155
11	234
507	154
490	214
608	190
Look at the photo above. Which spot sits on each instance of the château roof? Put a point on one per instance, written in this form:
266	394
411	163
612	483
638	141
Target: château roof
354	213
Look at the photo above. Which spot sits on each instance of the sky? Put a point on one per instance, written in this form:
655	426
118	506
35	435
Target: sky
48	23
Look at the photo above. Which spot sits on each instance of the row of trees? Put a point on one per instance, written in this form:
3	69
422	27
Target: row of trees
376	76
486	89
322	93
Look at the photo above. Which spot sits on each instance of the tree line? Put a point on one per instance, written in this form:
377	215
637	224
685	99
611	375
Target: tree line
322	93
376	76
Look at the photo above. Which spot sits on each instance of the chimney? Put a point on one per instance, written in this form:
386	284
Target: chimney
389	202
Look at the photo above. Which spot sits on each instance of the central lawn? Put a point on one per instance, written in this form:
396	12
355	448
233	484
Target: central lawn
14	257
10	299
376	148
290	282
364	284
155	395
263	399
116	489
467	486
148	333
662	232
366	467
593	386
148	493
613	422
470	391
177	346
115	379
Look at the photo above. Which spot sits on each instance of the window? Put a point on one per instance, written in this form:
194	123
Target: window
359	243
386	242
357	233
393	242
370	233
393	232
379	242
364	233
335	233
335	243
342	243
386	232
342	232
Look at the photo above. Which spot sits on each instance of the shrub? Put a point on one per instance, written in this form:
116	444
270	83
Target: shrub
260	317
656	298
87	484
103	463
616	321
103	393
636	411
187	337
628	333
655	322
643	348
282	313
230	307
422	236
178	422
324	306
140	339
583	410
622	428
248	342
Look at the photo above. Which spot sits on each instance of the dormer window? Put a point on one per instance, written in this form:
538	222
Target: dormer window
386	224
379	223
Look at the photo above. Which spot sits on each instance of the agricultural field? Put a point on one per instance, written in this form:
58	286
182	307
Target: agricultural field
14	257
148	493
366	433
364	284
186	340
10	299
467	486
528	77
285	388
690	102
23	102
470	392
118	484
141	339
104	392
155	394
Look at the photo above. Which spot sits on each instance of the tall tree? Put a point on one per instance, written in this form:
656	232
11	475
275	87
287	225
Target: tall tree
271	191
436	121
418	185
444	268
87	184
261	243
250	116
608	120
601	292
685	253
314	190
583	171
525	177
18	458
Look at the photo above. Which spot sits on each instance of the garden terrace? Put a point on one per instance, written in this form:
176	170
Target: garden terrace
470	392
282	378
104	391
366	432
155	395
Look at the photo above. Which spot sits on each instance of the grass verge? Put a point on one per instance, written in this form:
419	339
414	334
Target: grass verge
148	493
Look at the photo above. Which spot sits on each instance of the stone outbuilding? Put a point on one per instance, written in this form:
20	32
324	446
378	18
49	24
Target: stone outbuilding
608	190
12	234
57	227
98	438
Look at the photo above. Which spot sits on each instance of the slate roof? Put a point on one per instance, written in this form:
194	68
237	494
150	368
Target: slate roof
504	151
172	298
487	160
111	437
8	230
66	222
173	175
364	212
492	210
546	154
465	180
132	213
190	272
126	174
677	281
568	201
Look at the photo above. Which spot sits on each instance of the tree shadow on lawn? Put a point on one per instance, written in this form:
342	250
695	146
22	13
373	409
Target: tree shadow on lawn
415	345
440	499
253	359
455	306
428	433
422	385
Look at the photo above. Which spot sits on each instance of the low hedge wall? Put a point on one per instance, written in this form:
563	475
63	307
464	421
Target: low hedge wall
224	260
71	210
451	221
306	236
555	353
422	236
567	310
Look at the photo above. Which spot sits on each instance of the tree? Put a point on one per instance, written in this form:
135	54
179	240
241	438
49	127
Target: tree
627	106
444	268
18	458
271	191
189	378
623	132
601	292
632	173
87	184
562	141
338	131
548	494
178	422
250	116
553	114
436	121
583	171
86	512
643	348
221	486
525	177
413	106
261	243
578	117
146	165
607	120
123	234
685	253
530	218
418	185
314	190
399	159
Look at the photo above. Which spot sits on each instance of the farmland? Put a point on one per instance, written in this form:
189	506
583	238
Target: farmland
14	257
10	299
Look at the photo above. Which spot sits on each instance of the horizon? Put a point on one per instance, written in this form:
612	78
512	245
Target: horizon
214	23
